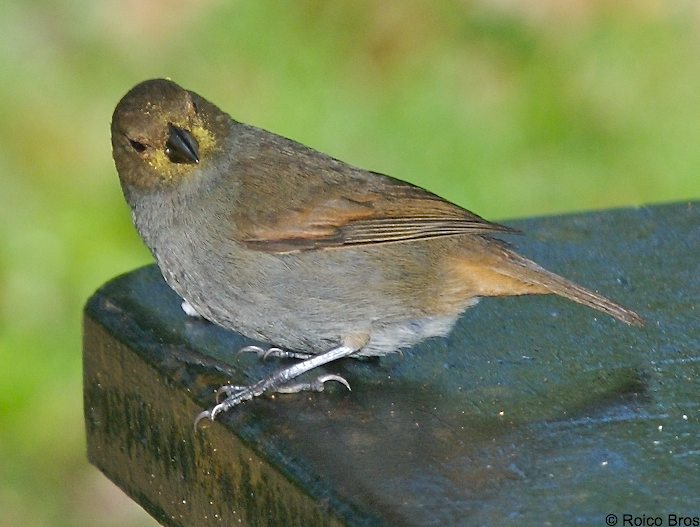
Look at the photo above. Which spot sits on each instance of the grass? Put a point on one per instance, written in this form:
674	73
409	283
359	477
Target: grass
510	111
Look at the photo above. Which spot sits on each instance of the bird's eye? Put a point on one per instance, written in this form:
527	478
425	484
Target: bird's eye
139	147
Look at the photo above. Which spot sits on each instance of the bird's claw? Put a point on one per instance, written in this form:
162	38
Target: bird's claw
277	353
206	414
235	395
262	353
223	406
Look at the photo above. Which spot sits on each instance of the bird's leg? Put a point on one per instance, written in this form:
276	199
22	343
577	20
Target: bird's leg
280	381
277	353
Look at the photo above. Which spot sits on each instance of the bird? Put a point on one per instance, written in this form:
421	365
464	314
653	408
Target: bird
264	236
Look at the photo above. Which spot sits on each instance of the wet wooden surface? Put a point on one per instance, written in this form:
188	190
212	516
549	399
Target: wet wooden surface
533	410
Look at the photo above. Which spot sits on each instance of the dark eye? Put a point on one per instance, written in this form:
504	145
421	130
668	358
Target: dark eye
139	147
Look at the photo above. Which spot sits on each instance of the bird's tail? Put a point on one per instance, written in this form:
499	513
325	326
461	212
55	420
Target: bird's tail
529	271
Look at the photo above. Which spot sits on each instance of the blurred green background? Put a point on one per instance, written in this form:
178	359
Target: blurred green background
511	108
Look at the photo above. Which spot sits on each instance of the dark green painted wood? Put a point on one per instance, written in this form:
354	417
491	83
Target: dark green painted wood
534	409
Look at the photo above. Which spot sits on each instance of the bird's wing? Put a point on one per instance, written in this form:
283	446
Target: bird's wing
387	210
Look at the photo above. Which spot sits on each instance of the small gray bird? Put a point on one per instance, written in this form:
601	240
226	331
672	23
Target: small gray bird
284	244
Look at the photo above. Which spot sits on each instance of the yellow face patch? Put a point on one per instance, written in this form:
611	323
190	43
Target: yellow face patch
166	169
205	139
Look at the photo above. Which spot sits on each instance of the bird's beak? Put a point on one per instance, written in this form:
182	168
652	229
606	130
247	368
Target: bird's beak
181	147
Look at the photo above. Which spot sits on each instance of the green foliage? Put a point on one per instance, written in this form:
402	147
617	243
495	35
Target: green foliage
508	108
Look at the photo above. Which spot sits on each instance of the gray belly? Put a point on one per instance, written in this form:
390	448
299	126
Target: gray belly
309	301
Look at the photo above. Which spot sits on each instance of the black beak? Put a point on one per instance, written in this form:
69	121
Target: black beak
181	146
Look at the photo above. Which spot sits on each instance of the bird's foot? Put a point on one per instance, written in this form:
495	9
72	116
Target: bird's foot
280	382
230	395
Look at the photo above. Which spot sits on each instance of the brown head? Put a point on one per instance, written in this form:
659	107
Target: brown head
161	133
